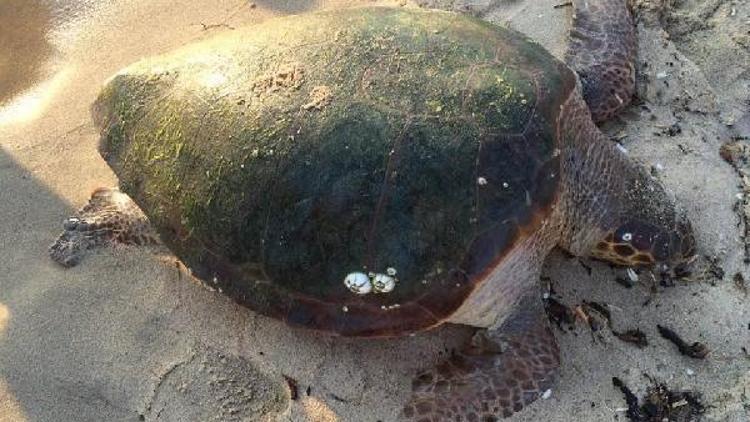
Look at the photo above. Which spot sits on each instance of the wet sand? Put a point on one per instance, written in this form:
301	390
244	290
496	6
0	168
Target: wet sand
24	47
126	336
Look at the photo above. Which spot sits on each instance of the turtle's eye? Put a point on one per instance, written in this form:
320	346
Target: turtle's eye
646	239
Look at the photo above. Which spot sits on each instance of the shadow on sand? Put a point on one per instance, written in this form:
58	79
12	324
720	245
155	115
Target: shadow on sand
98	341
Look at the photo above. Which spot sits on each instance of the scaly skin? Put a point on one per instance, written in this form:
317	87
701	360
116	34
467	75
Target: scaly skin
608	200
110	216
498	373
602	51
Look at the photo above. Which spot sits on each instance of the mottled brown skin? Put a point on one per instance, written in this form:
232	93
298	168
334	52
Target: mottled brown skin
601	50
635	244
498	373
109	217
577	191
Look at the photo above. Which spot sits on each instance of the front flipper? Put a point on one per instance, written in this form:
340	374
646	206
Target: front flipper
109	216
499	372
602	51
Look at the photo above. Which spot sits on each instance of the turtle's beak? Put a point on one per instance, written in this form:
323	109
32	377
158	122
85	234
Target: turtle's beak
682	245
670	245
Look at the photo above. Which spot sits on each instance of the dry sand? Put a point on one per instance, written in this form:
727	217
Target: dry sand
125	336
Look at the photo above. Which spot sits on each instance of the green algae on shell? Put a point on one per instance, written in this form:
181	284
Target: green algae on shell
277	159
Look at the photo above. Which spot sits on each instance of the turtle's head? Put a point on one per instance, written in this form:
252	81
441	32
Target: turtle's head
641	242
652	229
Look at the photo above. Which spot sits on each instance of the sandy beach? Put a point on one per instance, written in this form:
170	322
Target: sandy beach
128	336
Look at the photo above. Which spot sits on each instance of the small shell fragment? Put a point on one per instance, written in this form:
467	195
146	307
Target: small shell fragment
632	275
358	283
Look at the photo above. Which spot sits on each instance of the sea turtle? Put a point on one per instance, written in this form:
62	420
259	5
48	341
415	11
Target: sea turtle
379	171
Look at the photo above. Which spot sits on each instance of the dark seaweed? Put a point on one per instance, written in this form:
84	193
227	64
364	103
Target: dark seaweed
634	336
661	404
696	350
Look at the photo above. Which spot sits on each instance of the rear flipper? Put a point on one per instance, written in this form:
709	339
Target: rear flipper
602	51
498	373
109	216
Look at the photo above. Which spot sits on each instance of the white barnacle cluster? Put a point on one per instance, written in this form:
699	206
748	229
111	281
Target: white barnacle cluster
358	283
383	283
362	284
